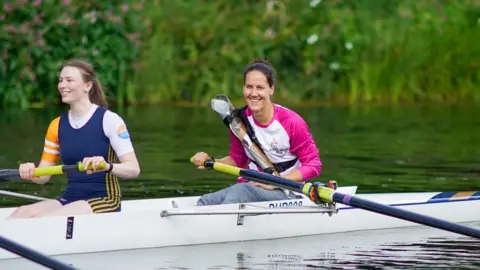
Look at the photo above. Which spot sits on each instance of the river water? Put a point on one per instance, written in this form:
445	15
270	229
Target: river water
380	149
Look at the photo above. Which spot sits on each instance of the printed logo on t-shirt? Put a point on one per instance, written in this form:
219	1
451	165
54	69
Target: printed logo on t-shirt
278	150
122	132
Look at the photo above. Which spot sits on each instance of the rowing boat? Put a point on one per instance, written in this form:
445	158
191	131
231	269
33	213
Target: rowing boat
167	222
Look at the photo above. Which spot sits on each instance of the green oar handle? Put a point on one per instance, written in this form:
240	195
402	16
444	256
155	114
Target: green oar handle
61	169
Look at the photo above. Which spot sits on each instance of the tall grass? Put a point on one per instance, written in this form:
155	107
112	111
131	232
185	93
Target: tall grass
423	53
348	51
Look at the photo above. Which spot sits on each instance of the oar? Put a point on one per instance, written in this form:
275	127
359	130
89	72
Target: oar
225	109
33	255
327	195
13	174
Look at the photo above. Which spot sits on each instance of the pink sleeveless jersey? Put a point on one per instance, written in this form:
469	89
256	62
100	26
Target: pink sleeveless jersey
283	139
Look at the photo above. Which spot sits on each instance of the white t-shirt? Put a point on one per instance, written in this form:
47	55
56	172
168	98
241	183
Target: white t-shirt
114	128
286	137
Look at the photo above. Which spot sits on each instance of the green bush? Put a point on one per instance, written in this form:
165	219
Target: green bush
38	36
348	51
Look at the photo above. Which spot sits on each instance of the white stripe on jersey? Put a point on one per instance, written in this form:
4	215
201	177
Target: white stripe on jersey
114	128
52	144
55	152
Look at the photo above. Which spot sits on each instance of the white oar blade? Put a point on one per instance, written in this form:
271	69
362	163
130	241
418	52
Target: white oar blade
221	105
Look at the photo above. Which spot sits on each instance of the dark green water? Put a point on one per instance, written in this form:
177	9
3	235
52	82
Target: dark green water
380	149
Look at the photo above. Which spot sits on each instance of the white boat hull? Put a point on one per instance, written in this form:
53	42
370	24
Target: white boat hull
334	250
140	224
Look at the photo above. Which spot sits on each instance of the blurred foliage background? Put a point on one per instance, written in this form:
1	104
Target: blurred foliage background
186	51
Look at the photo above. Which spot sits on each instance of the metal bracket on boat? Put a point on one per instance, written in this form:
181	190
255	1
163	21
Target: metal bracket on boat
243	211
333	209
164	213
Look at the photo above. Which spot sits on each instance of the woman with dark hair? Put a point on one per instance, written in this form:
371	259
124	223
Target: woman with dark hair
89	133
283	135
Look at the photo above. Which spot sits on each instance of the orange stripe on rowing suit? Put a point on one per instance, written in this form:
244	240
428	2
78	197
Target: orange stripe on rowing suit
462	195
50	153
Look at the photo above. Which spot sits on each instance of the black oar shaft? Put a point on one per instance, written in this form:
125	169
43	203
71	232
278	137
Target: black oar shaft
9	174
405	215
33	255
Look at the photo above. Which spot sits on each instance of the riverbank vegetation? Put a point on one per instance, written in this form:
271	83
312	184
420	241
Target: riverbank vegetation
337	51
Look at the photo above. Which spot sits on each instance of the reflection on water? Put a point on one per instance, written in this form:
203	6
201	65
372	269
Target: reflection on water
406	248
433	253
437	253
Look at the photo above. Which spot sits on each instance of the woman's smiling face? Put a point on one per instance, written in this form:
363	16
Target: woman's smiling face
257	91
72	86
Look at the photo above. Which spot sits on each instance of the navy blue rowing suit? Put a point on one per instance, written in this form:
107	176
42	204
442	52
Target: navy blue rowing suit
101	190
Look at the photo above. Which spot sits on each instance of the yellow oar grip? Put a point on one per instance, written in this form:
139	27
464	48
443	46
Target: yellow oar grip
59	169
101	166
50	170
228	169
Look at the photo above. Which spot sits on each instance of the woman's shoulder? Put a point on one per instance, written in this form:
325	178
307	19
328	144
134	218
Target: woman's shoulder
54	123
113	124
287	115
111	114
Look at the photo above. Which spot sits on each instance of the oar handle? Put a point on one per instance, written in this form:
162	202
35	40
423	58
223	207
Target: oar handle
228	169
14	175
208	163
61	169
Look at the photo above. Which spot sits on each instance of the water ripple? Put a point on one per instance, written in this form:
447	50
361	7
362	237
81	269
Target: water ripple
434	253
